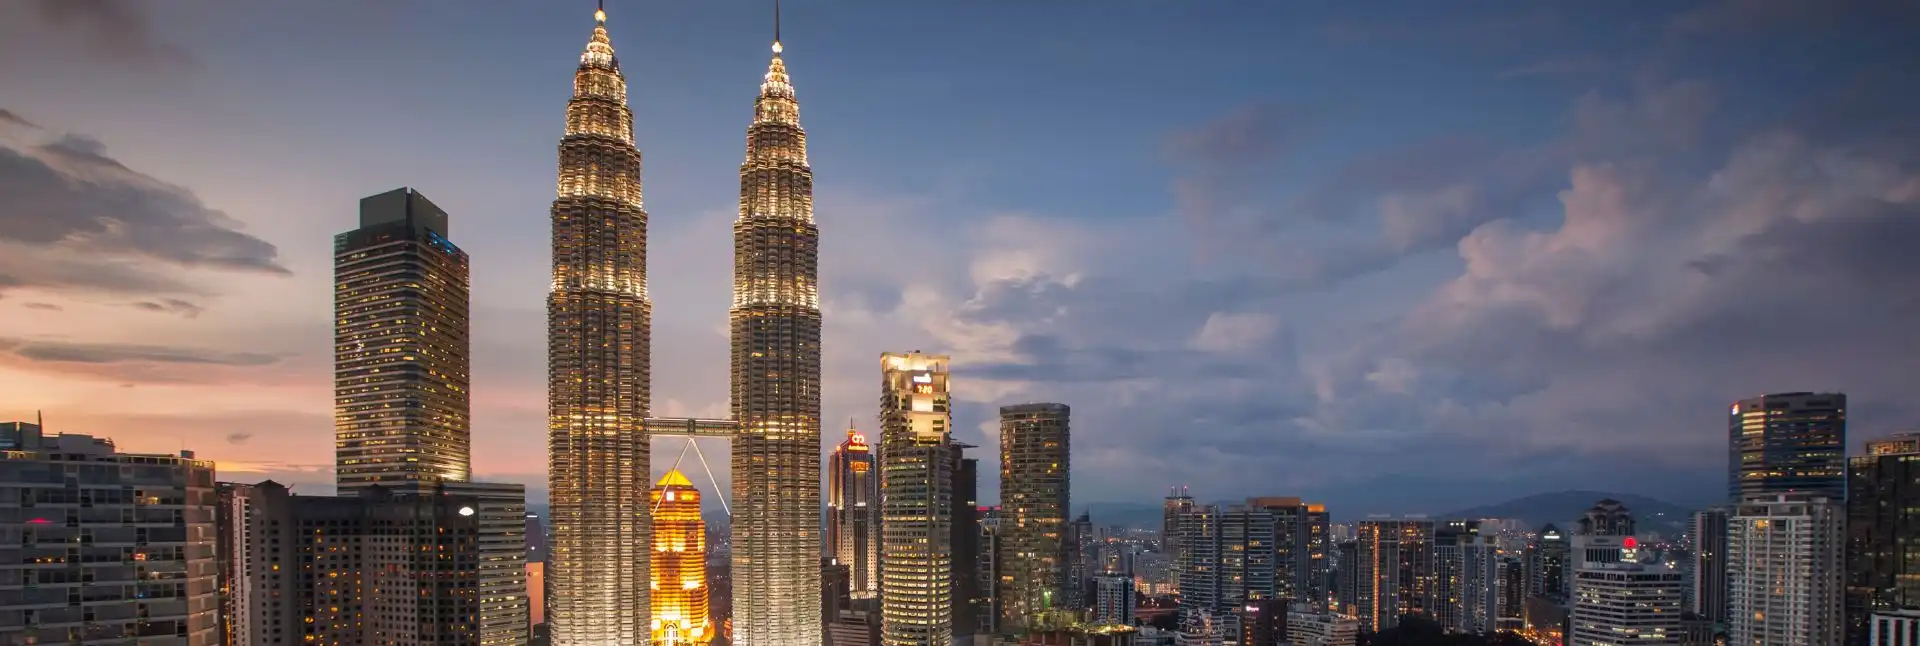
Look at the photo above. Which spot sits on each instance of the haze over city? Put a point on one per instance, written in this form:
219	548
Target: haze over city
1400	257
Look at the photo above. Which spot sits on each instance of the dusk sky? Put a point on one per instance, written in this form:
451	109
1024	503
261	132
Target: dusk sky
1396	256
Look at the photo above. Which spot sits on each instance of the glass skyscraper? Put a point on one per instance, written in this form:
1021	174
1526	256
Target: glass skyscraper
1788	443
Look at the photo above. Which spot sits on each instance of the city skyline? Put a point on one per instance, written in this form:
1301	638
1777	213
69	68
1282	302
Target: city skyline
1468	328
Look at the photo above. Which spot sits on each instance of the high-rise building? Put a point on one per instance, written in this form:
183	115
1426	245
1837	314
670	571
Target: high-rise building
1626	603
1548	561
1078	554
1894	627
1787	443
1513	592
1785	570
106	547
681	610
1466	578
1300	548
966	541
853	513
443	564
1395	571
401	413
1035	449
916	491
986	607
1263	622
1311	628
1708	594
599	332
1178	503
1883	516
1113	599
1346	587
1227	561
775	329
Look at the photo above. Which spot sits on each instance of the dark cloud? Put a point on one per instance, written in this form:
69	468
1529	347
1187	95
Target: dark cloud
50	307
119	30
7	116
169	306
239	437
67	200
113	353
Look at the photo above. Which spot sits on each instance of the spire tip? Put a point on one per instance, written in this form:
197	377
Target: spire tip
600	12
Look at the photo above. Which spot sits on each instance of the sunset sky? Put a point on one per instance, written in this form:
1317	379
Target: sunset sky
1397	256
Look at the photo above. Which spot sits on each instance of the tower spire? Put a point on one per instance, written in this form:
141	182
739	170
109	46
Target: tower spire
600	11
776	28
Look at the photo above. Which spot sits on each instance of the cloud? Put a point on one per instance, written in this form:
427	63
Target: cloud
47	307
53	351
9	117
1559	68
169	306
75	218
118	30
239	437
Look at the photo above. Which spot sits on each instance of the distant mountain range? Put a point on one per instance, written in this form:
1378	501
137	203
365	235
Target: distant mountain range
1564	507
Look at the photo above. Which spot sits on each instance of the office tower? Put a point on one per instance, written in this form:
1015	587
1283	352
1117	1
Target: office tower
1883	516
1513	592
1789	442
853	512
401	414
110	547
1346	593
916	491
1321	628
1078	553
1548	559
436	565
1113	599
1263	622
1709	558
1178	503
681	611
1466	578
1035	449
1625	603
1300	548
775	329
836	591
1394	571
965	530
1785	570
987	605
599	328
854	627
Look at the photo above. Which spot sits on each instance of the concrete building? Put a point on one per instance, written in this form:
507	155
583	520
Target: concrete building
1394	571
916	484
106	547
1300	548
1625	603
1306	628
1785	570
1788	443
1035	463
1894	628
1466	578
402	416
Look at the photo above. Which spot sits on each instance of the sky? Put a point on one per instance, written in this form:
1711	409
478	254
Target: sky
1394	256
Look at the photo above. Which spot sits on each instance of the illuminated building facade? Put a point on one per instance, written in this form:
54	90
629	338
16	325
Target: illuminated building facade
105	547
916	491
1394	571
1786	443
598	379
1883	517
401	352
1785	570
1178	503
1548	557
1300	548
681	612
853	513
1034	465
1627	603
775	329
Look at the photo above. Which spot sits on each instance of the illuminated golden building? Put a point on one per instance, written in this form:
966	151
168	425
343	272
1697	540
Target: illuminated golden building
853	513
775	331
401	415
598	322
916	496
681	615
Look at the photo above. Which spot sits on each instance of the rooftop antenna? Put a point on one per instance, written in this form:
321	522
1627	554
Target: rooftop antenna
600	11
776	26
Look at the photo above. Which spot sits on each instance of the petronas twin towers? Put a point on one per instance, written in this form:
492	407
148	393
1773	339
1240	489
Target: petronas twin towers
599	322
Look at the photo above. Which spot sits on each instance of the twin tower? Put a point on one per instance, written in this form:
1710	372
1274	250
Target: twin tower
599	329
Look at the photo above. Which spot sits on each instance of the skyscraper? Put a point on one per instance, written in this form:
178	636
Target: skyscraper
775	329
1788	442
1626	603
1178	503
1785	570
1300	548
681	610
1395	571
401	409
1547	564
1078	553
1709	585
599	322
1467	577
1883	516
853	513
965	542
1034	469
916	489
